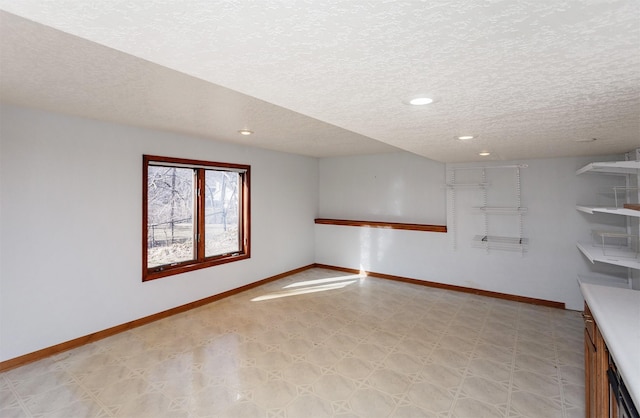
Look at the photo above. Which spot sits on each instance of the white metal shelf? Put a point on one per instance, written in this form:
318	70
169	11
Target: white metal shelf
618	256
467	185
494	242
491	167
615	211
483	194
612	167
609	281
616	247
613	234
502	209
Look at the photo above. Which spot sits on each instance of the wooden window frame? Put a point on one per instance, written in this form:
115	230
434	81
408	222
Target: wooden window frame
200	260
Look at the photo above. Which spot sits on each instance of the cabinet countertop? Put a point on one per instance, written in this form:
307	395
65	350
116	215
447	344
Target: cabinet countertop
617	314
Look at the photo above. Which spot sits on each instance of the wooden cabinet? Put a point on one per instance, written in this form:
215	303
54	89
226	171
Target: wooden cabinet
596	363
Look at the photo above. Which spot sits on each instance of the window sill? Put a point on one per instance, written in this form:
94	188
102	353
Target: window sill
184	268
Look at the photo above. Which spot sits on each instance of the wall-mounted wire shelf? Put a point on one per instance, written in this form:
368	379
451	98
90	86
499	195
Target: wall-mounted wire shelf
467	185
611	167
495	242
621	243
616	247
477	182
615	211
622	189
620	256
502	210
610	281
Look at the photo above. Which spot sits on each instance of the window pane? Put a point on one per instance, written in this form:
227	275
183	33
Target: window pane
170	226
222	212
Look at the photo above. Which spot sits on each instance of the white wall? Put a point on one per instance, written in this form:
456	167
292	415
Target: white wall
394	187
550	190
70	232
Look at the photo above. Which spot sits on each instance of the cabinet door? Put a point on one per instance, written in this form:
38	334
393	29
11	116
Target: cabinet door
602	380
596	364
590	376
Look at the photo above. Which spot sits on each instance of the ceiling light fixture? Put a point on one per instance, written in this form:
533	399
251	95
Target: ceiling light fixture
418	100
484	153
465	137
245	132
585	139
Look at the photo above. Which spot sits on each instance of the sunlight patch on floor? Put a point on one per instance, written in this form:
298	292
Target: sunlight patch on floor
312	286
321	281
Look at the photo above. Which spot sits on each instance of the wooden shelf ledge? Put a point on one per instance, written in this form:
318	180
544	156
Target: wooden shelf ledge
385	225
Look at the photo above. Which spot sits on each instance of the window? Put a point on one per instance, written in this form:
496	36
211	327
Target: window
195	215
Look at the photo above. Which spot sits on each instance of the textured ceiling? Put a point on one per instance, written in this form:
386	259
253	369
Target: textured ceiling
49	69
529	77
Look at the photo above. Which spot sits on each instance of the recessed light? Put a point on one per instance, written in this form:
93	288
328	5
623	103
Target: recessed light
418	100
466	137
484	153
245	132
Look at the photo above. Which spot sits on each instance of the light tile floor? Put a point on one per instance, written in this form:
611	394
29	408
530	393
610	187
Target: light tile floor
321	344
